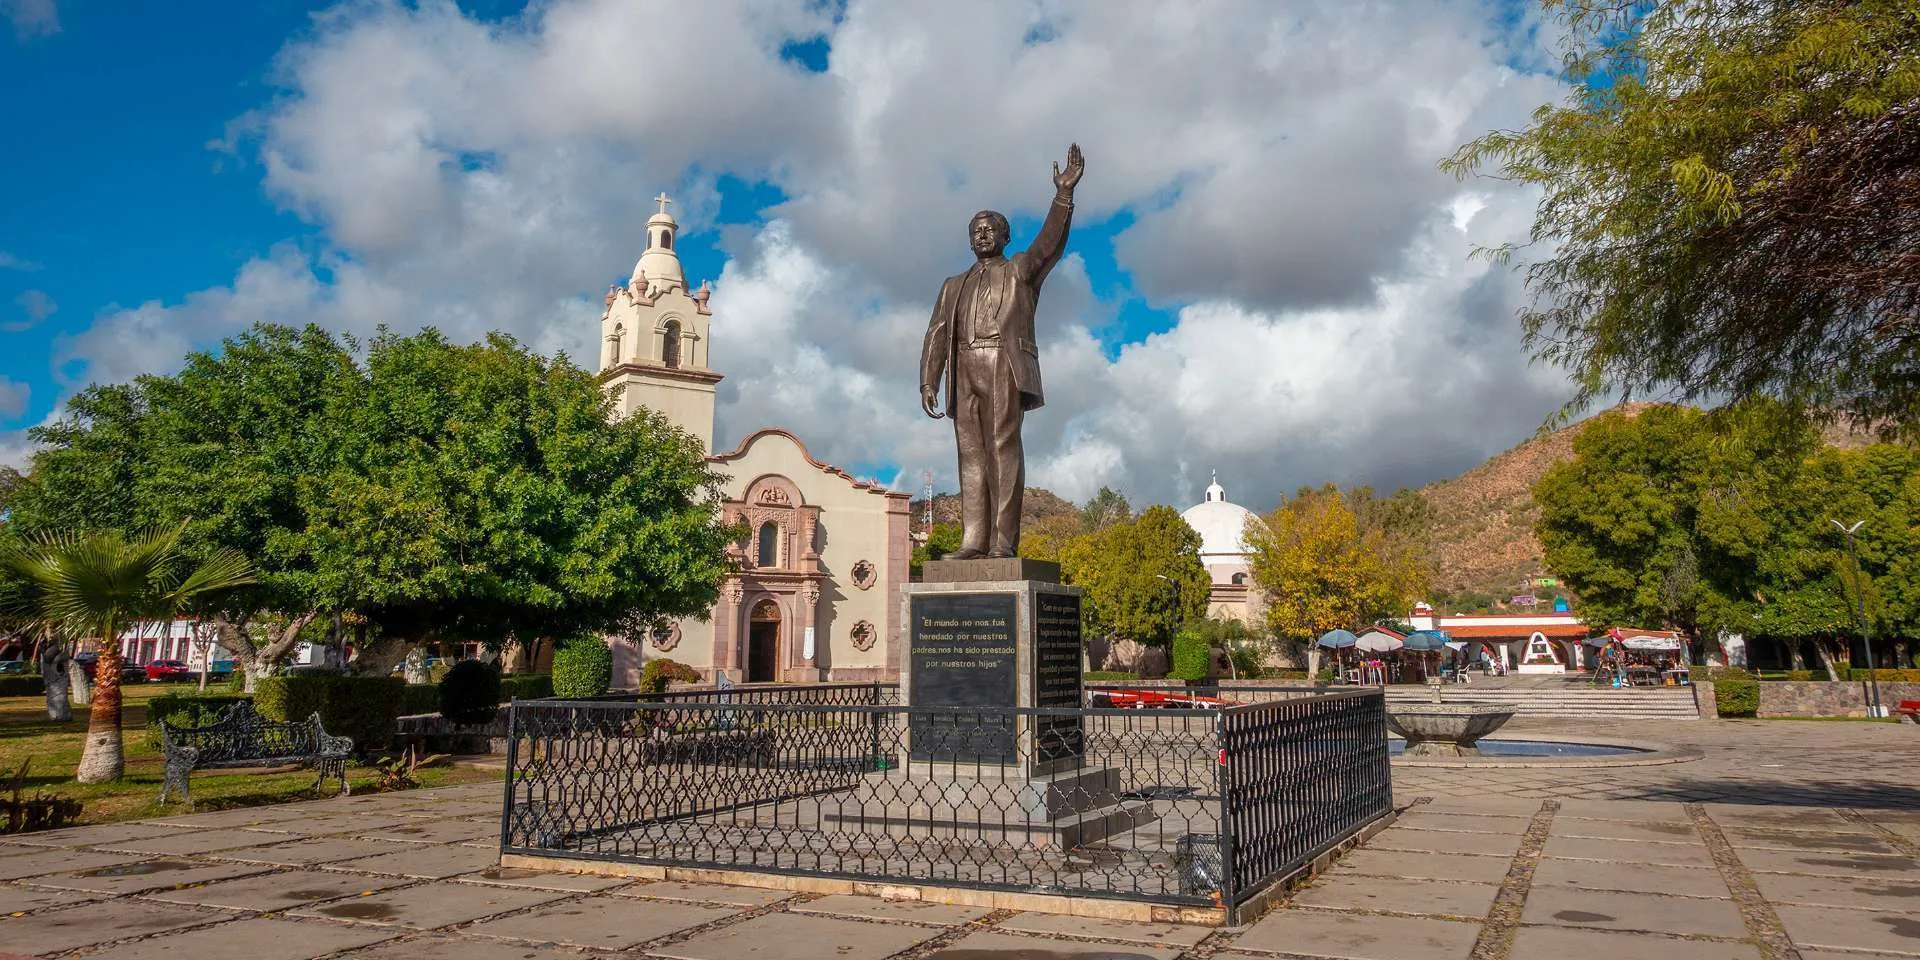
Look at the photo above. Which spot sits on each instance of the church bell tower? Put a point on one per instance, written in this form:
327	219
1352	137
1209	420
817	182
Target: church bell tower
654	337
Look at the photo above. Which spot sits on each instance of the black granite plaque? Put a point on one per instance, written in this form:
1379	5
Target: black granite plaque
962	648
1056	664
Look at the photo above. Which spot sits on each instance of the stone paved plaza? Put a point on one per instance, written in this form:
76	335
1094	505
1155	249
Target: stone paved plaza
1787	840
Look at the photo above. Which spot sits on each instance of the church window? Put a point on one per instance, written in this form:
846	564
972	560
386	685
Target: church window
670	344
666	240
1239	579
768	555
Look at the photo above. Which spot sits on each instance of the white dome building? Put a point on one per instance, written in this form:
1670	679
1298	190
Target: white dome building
1222	527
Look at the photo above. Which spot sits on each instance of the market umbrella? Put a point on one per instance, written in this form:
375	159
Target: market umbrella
1426	640
1377	642
1337	639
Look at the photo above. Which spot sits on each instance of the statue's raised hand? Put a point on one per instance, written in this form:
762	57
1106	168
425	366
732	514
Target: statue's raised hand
1075	167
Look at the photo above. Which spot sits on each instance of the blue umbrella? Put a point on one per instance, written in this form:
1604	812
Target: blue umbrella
1337	639
1426	640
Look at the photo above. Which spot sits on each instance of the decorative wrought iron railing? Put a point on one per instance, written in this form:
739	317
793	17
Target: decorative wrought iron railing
1179	806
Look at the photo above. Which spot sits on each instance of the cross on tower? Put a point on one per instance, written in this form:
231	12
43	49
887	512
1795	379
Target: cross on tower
663	201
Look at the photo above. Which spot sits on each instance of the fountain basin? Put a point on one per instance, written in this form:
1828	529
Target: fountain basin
1446	729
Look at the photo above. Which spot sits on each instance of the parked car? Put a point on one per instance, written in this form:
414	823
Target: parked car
14	666
133	673
222	668
160	671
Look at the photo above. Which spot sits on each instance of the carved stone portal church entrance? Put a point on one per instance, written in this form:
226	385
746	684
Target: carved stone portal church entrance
763	643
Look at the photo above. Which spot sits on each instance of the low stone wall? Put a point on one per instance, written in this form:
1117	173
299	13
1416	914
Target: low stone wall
1820	698
431	733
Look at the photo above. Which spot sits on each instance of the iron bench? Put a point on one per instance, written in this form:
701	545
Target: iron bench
1908	710
240	737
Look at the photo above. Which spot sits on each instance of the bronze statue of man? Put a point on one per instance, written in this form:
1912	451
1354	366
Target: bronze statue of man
981	341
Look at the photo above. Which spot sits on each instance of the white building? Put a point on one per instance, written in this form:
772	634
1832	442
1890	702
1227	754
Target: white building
816	595
1222	526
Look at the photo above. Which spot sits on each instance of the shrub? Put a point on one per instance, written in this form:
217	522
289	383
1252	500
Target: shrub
1189	657
526	686
187	710
583	667
1285	675
419	698
364	708
655	676
470	693
22	685
1886	675
1736	695
1109	675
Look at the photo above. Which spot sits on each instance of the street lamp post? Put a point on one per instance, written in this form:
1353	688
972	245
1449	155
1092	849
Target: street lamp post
1874	707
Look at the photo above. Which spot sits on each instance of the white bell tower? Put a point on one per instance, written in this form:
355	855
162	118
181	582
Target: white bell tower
654	337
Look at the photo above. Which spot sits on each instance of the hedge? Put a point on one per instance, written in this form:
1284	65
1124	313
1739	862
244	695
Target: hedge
526	686
1189	657
364	708
1736	695
188	709
582	668
655	676
470	693
419	698
22	685
1885	675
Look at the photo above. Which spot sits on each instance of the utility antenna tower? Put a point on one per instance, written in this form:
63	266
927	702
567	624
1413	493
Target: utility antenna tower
926	493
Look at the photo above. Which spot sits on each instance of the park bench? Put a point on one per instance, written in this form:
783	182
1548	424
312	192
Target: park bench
1908	711
240	737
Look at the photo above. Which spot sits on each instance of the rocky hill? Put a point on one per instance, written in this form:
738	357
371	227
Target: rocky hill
1035	505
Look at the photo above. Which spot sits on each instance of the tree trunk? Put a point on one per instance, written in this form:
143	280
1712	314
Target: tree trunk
1799	657
101	761
53	670
78	688
1823	647
416	669
377	657
261	661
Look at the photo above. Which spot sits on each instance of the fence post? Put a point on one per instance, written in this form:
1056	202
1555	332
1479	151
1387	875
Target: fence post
513	746
1222	771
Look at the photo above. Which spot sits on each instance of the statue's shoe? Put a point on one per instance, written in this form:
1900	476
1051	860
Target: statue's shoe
1001	555
968	554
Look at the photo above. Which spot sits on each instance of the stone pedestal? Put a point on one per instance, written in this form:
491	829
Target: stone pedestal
975	641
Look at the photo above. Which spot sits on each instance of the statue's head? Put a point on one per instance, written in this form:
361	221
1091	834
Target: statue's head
988	233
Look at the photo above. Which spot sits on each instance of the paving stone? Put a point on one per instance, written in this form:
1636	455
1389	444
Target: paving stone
94	835
1802	818
794	936
1450	898
1152	934
1566	944
42	862
1610	810
875	908
543	879
1760	839
1425	866
705	893
461	948
1864	865
262	938
435	831
191	842
609	923
431	905
284	890
1649	912
1630	877
1347	936
152	874
82	927
987	945
1853	930
1421	818
20	899
238	817
431	863
355	825
1656	830
1480	804
1895	895
300	853
1630	851
1445	841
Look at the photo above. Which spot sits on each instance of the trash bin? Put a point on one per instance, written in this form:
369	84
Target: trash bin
1197	858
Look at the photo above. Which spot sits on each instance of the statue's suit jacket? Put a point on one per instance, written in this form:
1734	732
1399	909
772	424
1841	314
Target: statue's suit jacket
1010	288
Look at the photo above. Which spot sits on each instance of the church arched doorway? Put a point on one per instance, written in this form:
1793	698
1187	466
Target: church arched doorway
763	643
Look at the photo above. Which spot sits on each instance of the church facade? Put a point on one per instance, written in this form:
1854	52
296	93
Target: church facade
814	593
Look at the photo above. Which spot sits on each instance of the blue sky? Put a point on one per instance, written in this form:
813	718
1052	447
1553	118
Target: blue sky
1257	217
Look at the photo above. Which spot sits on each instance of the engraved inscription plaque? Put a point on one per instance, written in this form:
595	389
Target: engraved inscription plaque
1056	664
962	650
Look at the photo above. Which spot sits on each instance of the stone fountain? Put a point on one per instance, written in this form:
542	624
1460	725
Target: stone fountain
1446	729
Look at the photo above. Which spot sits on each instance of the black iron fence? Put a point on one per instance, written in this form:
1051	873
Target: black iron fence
1179	806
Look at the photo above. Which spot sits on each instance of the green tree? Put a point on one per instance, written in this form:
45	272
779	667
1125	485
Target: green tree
1319	569
1105	509
943	539
1143	577
1728	202
467	492
92	586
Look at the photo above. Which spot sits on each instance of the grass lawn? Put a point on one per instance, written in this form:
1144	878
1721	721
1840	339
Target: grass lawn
54	749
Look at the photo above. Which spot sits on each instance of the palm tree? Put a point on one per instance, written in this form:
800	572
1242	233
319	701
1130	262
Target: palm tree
93	585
